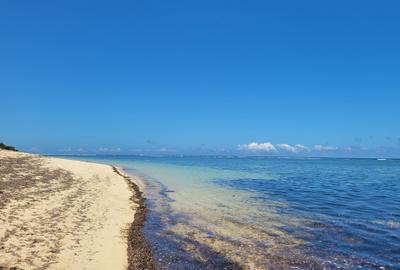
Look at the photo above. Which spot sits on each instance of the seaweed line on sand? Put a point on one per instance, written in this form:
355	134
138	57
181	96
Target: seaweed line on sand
140	255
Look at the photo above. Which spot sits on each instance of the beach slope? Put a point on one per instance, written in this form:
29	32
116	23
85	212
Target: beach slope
63	214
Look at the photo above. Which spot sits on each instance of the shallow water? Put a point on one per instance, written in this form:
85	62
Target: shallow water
270	213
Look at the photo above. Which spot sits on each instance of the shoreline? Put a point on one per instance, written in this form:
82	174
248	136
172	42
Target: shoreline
60	213
140	255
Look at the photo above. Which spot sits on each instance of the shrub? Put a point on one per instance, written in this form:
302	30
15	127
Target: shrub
7	147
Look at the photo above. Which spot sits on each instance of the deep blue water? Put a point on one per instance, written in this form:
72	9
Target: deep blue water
288	213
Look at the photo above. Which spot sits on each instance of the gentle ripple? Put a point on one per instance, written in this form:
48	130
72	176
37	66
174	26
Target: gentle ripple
271	213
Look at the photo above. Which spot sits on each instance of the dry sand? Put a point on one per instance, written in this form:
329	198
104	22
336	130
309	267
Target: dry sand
63	214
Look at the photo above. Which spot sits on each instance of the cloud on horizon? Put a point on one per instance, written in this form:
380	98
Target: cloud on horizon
258	147
253	148
288	148
319	147
71	150
108	150
293	148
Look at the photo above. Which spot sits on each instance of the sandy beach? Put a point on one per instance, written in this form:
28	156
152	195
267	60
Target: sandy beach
65	214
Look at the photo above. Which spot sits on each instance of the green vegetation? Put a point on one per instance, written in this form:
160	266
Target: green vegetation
6	147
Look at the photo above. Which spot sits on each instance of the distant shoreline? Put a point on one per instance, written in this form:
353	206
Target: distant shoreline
223	156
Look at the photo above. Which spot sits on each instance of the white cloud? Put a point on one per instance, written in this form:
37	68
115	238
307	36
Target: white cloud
293	148
265	147
287	147
302	147
105	149
69	149
319	147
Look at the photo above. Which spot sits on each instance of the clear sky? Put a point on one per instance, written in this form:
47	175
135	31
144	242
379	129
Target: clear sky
201	77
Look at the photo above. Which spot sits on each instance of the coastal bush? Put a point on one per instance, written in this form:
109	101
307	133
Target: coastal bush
7	147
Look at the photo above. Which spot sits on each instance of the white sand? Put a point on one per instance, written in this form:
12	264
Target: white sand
62	225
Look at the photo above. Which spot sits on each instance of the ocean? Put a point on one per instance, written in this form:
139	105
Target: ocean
218	212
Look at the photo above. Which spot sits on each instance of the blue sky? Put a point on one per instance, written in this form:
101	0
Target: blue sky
201	77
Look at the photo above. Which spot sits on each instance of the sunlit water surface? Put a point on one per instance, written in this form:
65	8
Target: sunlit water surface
270	213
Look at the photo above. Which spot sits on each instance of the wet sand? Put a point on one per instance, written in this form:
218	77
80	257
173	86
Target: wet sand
66	214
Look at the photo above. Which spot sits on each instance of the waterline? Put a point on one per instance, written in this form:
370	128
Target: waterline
270	212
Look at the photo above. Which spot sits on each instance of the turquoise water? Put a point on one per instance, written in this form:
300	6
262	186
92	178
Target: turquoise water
270	213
